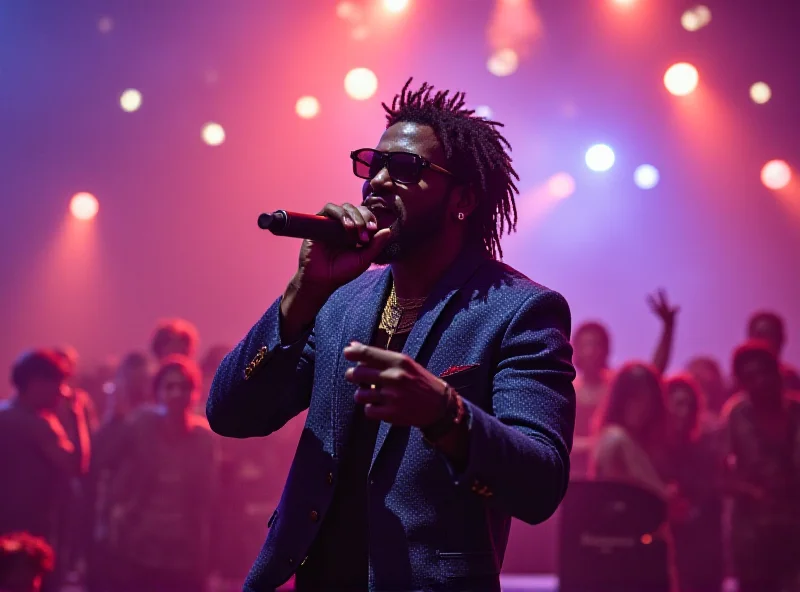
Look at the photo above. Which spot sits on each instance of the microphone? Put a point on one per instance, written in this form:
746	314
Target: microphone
296	225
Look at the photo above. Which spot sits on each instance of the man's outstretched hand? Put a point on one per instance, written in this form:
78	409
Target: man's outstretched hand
394	388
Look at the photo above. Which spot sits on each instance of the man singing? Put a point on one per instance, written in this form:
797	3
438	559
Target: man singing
438	388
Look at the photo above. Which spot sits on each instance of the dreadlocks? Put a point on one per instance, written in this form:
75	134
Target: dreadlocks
476	153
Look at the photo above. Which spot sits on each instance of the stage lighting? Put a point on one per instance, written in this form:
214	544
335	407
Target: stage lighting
484	111
646	176
776	174
395	6
347	11
213	134
360	83
760	92
130	100
105	25
84	206
681	79
625	3
696	18
561	185
503	62
600	158
307	107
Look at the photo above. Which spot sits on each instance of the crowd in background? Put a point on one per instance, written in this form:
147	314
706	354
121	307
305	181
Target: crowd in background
114	481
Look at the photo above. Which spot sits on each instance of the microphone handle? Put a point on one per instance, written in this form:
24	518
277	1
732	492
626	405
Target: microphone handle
297	225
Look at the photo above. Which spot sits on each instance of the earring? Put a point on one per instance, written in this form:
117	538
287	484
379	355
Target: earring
461	216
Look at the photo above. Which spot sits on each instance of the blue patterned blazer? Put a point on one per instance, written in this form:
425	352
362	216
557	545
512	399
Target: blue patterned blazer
501	340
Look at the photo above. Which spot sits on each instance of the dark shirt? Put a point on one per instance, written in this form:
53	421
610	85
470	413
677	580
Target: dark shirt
339	557
161	495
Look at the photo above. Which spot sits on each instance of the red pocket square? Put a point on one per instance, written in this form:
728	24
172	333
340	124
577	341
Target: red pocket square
456	369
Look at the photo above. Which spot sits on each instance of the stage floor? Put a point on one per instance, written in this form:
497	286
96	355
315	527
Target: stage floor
549	583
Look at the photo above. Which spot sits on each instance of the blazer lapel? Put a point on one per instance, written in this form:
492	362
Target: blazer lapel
455	277
358	323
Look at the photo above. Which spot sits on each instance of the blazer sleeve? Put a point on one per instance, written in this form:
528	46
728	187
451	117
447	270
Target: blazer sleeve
519	454
262	383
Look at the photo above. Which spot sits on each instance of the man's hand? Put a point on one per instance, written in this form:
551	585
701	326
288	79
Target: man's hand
323	268
394	388
321	264
659	304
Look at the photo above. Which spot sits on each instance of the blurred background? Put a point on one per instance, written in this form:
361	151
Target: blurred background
656	142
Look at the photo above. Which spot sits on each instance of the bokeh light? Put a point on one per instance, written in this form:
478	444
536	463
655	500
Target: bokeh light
213	134
484	111
130	100
624	3
503	62
360	32
395	6
105	24
561	185
307	107
600	158
347	11
696	18
760	92
84	206
776	174
646	176
681	79
360	83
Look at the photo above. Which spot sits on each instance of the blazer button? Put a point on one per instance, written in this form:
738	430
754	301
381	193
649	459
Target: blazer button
314	515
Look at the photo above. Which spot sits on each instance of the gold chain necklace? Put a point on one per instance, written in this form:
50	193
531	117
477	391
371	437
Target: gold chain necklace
399	315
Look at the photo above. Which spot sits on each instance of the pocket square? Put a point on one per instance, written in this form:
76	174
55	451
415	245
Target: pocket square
456	369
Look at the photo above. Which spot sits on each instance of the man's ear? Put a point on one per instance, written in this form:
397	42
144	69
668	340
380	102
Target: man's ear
463	201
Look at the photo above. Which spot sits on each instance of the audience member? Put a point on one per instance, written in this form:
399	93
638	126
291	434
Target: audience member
769	327
762	427
592	347
36	454
162	495
691	466
174	337
708	376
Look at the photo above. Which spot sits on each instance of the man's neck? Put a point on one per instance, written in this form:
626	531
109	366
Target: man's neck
417	274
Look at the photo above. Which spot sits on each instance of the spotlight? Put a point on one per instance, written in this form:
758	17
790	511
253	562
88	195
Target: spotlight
696	18
84	206
484	111
503	62
776	174
130	100
395	6
307	107
360	83
681	79
213	134
760	92
600	158
646	176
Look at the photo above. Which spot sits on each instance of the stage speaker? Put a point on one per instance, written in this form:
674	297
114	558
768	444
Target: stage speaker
608	539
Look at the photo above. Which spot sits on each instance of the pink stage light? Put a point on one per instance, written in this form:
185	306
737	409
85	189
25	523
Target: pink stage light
84	206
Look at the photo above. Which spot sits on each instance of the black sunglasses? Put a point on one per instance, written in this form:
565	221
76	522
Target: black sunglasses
403	167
